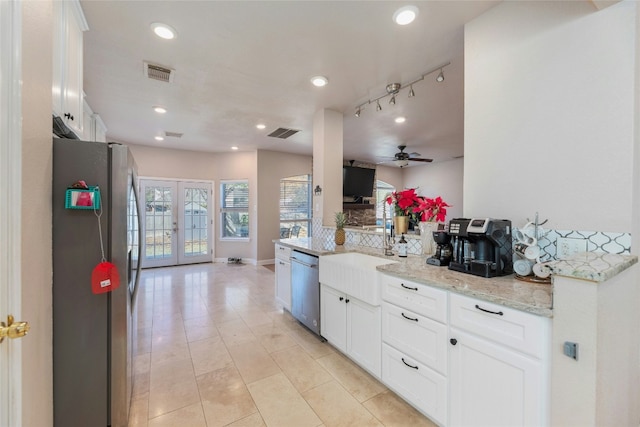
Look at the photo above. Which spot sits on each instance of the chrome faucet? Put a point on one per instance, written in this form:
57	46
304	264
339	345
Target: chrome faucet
386	242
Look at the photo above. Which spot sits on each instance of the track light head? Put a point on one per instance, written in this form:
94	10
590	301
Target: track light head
358	112
392	101
411	92
440	77
378	106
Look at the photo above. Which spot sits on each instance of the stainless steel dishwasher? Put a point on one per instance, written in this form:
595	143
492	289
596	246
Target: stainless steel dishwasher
305	290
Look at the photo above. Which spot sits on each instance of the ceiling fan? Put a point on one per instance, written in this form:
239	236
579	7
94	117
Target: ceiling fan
402	159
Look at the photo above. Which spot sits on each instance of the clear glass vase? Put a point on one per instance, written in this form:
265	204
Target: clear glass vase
426	235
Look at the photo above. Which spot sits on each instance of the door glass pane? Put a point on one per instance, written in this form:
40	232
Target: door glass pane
196	220
158	221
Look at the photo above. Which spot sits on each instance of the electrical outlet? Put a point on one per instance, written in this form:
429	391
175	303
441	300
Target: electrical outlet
565	247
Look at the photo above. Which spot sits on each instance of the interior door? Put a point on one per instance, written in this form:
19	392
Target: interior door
10	211
177	222
160	223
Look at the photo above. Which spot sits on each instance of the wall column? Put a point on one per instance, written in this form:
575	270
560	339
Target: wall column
327	167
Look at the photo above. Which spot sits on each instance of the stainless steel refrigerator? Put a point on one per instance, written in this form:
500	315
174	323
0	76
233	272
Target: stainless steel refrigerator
94	334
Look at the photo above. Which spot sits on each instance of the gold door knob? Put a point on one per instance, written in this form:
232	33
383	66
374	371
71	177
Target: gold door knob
13	329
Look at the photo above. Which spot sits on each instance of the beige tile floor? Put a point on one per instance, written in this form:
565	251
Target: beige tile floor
214	348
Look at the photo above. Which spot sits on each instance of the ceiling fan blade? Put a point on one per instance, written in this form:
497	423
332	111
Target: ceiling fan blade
421	160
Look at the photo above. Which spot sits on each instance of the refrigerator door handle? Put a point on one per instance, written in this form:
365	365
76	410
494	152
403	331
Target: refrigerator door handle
139	264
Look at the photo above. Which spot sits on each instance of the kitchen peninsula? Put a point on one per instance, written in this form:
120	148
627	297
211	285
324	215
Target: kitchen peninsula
499	347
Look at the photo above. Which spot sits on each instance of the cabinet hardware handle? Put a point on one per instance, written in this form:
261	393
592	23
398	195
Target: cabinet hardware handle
341	298
281	263
409	318
347	300
68	116
499	313
408	287
411	366
453	341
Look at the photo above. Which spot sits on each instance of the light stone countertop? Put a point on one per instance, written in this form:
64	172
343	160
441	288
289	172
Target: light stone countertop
507	290
592	266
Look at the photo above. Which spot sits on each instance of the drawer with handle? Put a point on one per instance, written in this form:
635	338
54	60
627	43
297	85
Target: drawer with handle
416	335
419	298
283	252
522	331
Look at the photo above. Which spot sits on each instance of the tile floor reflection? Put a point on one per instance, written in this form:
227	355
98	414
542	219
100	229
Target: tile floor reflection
214	348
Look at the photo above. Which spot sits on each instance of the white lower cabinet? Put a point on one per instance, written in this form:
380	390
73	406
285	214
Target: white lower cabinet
352	326
415	382
459	360
283	276
492	385
498	365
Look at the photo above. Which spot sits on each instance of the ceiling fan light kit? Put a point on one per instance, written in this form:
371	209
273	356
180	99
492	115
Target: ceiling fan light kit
394	88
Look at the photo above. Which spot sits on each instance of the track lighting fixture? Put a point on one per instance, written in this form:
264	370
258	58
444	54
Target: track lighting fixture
393	89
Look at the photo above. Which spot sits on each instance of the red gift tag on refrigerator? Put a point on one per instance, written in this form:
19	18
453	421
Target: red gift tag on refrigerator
105	278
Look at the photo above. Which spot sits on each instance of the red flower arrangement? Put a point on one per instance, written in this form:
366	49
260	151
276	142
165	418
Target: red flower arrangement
408	203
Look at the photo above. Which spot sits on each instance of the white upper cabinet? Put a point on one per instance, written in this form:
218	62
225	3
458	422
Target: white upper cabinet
69	25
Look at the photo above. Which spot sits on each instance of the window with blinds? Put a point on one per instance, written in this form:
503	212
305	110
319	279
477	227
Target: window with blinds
295	206
234	209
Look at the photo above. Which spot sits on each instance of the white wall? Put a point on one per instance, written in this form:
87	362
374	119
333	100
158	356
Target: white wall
442	179
183	164
272	167
37	166
549	113
390	175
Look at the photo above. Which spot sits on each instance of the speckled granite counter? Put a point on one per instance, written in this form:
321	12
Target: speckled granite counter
592	266
530	297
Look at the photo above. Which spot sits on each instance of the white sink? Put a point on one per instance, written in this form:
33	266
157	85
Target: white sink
354	274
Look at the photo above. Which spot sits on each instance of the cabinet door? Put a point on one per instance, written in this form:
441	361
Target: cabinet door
363	334
67	74
492	385
283	283
333	317
73	94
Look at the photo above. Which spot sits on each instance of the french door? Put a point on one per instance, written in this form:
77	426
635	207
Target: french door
177	222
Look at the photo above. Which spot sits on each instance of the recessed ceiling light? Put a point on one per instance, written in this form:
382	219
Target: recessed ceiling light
261	126
160	110
405	15
319	81
163	30
234	148
400	120
159	138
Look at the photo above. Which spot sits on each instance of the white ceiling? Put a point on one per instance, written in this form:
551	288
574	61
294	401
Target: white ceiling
241	63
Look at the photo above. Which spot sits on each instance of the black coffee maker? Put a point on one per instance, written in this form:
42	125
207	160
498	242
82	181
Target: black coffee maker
481	246
443	253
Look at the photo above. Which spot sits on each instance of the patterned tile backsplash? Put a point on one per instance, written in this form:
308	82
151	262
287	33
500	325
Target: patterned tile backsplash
597	241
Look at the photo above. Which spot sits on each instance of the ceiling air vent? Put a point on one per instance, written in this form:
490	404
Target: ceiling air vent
158	72
173	134
283	133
